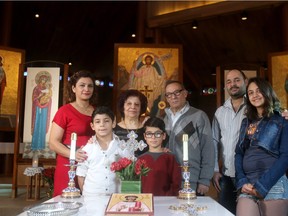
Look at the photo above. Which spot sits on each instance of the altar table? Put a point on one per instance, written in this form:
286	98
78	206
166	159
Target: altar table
95	206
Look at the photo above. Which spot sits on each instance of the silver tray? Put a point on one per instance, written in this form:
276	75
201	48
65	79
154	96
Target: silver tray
54	209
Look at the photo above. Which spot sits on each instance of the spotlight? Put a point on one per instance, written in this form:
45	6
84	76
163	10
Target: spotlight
97	82
194	24
110	84
244	15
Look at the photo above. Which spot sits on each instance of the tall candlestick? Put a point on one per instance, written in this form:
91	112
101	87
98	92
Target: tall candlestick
185	147
73	146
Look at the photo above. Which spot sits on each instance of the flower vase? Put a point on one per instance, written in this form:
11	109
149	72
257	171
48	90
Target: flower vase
49	192
130	187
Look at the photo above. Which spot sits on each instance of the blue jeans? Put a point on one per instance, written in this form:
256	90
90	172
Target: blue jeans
228	194
278	191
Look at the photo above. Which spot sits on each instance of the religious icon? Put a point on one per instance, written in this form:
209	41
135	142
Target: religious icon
10	66
131	203
42	86
146	68
286	84
148	76
3	81
41	109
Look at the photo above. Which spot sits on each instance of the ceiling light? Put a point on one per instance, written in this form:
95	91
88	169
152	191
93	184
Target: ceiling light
244	15
133	35
194	24
37	15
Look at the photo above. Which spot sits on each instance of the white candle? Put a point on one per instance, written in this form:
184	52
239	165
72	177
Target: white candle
73	146
35	159
185	147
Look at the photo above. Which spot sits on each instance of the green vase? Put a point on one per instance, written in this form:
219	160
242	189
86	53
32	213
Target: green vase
50	191
130	187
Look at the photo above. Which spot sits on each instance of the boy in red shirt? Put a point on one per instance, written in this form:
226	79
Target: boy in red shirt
164	178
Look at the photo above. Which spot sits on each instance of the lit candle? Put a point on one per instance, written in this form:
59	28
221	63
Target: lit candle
35	160
73	146
185	147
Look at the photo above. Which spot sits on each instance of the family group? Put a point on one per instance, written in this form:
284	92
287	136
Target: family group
244	152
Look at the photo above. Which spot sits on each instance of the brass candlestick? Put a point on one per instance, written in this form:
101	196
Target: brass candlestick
71	191
186	192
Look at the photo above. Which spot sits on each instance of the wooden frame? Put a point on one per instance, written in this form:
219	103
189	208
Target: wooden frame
10	59
278	75
131	72
17	159
250	70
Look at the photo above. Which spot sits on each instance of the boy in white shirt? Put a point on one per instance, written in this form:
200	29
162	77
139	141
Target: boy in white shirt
94	174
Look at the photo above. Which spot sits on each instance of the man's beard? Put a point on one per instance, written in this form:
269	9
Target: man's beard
240	93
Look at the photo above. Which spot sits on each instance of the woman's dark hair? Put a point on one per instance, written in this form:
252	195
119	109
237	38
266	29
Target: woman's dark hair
74	79
271	101
103	110
132	93
155	122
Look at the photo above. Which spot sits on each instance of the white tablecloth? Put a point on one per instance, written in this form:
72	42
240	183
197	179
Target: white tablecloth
95	206
31	171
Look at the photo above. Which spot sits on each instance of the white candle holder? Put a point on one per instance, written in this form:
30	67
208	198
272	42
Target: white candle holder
186	192
71	191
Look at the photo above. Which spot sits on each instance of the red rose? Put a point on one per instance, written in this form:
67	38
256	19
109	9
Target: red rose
116	166
141	167
124	162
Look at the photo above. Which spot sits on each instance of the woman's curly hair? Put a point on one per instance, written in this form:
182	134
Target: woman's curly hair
132	93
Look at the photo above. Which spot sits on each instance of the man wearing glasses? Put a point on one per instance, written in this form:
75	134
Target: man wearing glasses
181	118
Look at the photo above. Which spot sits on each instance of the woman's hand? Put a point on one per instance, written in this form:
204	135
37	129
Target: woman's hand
255	193
249	189
81	155
285	114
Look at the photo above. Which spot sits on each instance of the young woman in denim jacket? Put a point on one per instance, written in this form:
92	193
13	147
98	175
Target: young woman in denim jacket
261	158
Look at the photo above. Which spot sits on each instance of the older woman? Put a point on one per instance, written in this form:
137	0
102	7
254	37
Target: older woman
131	105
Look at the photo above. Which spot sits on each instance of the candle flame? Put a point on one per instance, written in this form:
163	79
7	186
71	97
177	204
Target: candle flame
185	137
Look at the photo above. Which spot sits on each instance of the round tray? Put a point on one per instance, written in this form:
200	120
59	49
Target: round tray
54	209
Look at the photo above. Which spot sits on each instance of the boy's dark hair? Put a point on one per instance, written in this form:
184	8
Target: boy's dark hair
103	110
155	122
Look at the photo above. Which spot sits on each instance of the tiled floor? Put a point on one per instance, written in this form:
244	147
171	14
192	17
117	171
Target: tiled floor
12	207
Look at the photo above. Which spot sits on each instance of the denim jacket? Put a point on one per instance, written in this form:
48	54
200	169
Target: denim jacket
271	135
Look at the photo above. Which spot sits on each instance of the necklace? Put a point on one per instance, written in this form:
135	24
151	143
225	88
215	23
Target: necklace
128	130
82	108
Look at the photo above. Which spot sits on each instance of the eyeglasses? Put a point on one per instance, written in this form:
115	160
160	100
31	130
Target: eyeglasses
157	134
175	93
